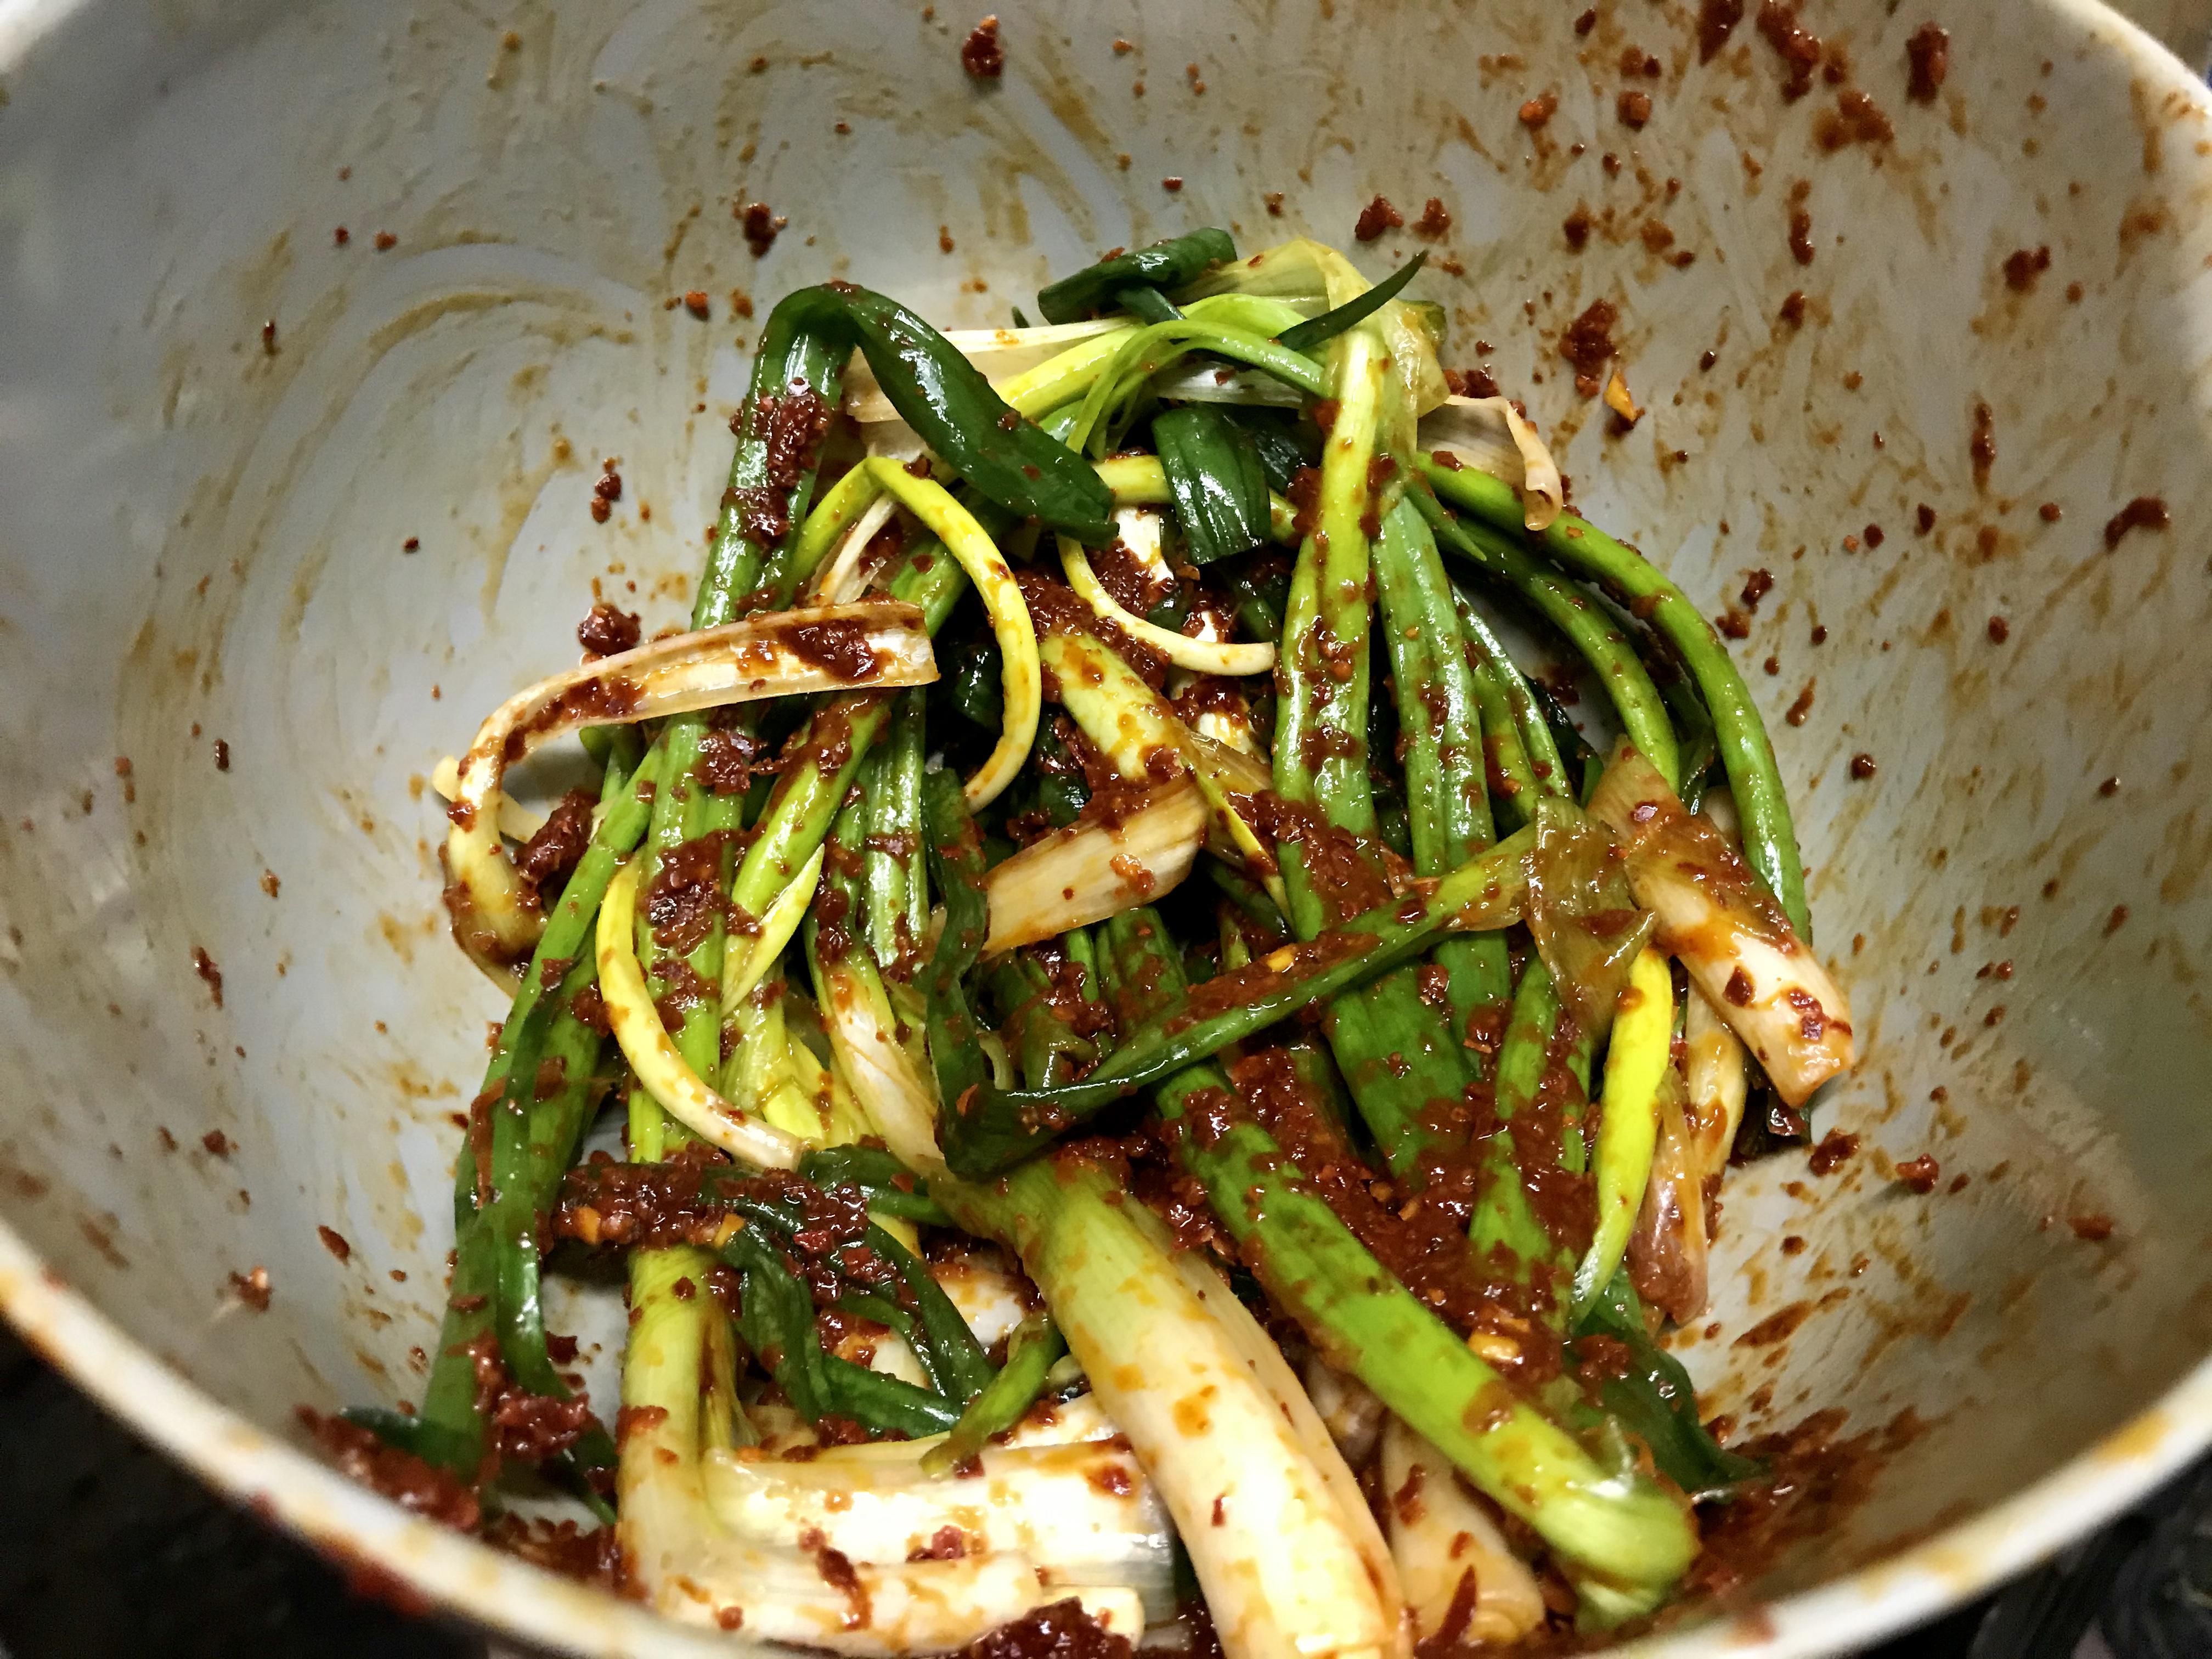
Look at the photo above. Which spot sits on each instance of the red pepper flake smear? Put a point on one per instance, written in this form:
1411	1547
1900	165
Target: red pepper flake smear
1920	1174
2144	513
1634	109
1800	222
1928	52
562	1547
1588	344
385	241
1836	1149
608	630
1060	1630
1817	1478
981	54
1999	630
694	301
210	976
1982	446
761	224
1538	110
1377	216
253	1288
2094	1228
335	1242
1863	766
606	490
1799	48
413	1485
1436	221
2022	267
1856	119
1716	21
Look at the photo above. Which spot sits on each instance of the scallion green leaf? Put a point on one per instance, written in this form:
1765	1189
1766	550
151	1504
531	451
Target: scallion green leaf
1168	264
1220	482
1330	323
1142	300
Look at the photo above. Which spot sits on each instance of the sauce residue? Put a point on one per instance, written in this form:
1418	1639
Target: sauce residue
1588	344
1928	53
981	54
2022	266
2144	513
1377	216
1716	21
1816	1477
608	630
1062	1629
419	1487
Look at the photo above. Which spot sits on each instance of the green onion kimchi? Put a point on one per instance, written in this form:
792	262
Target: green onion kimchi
1135	1065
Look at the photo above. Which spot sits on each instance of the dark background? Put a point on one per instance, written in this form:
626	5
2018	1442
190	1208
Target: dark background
107	1551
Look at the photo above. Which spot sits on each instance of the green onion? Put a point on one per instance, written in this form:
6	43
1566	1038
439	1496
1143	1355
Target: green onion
877	1174
987	1130
1657	1400
1146	304
1217	479
964	423
1035	1343
1318	330
956	858
1616	1527
1284	446
1770	839
1167	265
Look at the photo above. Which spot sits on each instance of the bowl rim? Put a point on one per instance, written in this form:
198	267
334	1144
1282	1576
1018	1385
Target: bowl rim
420	1565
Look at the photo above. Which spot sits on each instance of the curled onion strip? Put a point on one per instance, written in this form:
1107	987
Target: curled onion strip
1137	729
1023	682
843	579
748	969
899	1102
1491	434
1089	872
645	1043
848	499
1200	656
516	821
835	649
